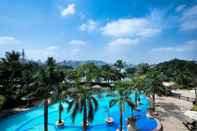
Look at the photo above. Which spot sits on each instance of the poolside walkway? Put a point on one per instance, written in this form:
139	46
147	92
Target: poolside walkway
185	93
8	112
171	111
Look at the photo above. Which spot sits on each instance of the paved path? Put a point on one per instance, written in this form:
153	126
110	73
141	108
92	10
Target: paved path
186	93
171	111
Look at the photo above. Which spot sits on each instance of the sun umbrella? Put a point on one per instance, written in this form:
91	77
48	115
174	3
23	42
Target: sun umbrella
191	114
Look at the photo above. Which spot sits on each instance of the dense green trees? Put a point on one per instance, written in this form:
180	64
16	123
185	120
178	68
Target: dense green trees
89	72
142	68
109	74
16	78
11	73
179	71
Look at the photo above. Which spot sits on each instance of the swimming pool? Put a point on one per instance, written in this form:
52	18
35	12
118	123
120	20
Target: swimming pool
33	120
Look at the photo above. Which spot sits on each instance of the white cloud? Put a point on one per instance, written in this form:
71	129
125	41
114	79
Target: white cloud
52	48
189	19
187	46
126	33
134	27
42	54
77	43
162	49
123	42
90	25
69	10
180	8
7	40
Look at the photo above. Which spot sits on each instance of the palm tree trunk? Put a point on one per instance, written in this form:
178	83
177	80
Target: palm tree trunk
46	115
132	110
135	98
195	94
60	111
121	117
154	102
85	117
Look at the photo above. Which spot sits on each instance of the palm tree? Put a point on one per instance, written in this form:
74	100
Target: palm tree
122	98
120	65
47	80
61	93
153	85
108	74
43	91
137	85
83	102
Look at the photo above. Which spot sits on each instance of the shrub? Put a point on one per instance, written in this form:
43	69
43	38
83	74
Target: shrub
2	101
194	108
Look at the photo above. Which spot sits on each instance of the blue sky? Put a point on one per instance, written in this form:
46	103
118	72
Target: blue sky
134	30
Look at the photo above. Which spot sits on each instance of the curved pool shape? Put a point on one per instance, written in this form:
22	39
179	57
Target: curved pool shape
33	120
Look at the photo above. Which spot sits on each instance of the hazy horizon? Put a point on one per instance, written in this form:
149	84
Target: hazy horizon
80	60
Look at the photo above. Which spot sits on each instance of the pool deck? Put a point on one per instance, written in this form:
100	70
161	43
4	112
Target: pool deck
171	112
8	112
185	93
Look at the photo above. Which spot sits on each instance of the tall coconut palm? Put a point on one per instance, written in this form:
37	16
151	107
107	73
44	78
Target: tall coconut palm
137	85
108	74
153	86
83	102
43	92
122	98
48	80
120	65
61	94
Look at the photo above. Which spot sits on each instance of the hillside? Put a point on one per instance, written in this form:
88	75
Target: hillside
75	64
181	71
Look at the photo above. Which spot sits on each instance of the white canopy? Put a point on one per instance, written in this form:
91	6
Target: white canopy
167	84
96	87
191	114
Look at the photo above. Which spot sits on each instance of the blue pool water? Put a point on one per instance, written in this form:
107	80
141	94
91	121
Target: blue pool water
33	120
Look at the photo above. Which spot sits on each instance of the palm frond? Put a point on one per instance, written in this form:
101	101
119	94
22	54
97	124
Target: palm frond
90	111
70	105
131	104
74	112
113	102
95	103
82	104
